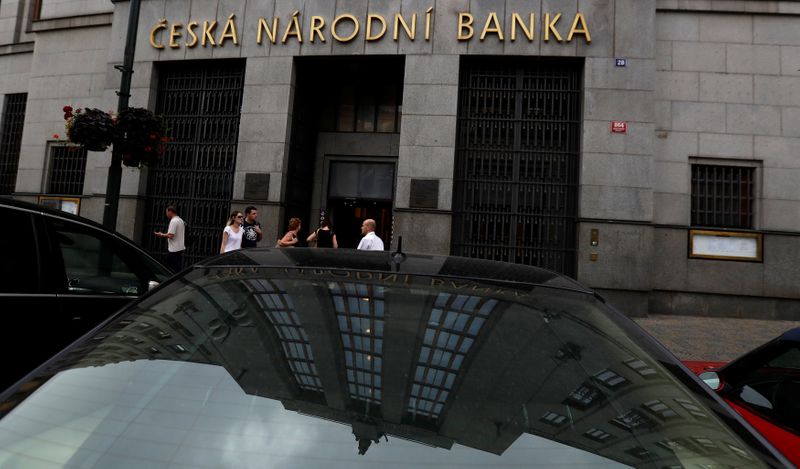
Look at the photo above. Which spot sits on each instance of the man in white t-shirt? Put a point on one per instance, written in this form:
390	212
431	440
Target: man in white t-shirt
175	240
370	241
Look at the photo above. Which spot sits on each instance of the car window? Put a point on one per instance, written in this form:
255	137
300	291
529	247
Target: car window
94	262
19	269
789	359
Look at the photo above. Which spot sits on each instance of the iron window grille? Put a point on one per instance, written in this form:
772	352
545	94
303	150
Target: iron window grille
200	103
280	312
67	169
723	196
453	326
11	140
517	150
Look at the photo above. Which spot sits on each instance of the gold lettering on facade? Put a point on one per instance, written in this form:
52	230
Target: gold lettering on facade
496	29
263	27
428	17
230	31
356	27
527	31
190	29
374	37
208	30
293	29
550	26
317	23
153	32
400	21
364	275
465	21
579	18
175	33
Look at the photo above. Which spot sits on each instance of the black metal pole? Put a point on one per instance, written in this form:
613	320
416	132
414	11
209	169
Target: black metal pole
124	93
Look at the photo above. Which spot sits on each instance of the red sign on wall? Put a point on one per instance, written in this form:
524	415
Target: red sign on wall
619	127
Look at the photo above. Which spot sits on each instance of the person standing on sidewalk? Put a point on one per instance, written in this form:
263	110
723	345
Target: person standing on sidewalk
175	240
252	228
370	241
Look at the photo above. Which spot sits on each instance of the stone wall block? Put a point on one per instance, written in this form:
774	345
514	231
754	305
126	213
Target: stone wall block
616	203
790	118
677	26
600	19
790	58
633	18
677	86
568	9
753	59
428	131
726	88
777	152
421	162
432	70
201	11
433	100
446	21
408	7
781	184
663	55
480	10
756	120
229	49
775	29
604	169
726	145
698	57
672	177
780	91
597	138
624	256
423	232
781	266
725	277
284	10
780	215
671	209
602	104
249	29
386	9
698	117
600	72
522	46
671	269
726	28
357	8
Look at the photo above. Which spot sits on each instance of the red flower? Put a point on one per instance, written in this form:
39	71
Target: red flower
67	109
152	136
164	139
148	149
55	136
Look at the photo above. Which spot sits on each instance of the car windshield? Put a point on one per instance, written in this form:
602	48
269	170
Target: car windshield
772	386
296	367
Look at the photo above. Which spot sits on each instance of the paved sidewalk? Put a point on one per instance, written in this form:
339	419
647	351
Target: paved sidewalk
712	339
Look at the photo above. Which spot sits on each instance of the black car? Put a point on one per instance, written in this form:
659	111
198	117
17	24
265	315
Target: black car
298	358
61	275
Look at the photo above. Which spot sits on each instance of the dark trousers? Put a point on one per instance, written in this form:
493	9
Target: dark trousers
174	261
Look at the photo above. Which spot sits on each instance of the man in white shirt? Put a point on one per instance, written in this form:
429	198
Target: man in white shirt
175	240
370	241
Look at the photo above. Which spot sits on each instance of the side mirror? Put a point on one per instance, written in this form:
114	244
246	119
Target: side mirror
151	284
712	380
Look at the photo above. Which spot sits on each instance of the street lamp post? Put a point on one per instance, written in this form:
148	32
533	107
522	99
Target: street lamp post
124	93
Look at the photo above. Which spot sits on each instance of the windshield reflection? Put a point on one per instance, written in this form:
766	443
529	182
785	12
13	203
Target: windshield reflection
433	361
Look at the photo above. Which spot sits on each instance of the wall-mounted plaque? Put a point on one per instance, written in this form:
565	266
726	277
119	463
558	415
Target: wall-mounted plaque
726	245
65	204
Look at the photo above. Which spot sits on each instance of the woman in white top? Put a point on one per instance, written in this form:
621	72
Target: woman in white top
232	234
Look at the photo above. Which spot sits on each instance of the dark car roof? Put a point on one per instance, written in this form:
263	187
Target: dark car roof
384	261
792	335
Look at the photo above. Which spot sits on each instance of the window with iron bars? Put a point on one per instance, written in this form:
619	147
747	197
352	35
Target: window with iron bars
67	169
723	196
11	140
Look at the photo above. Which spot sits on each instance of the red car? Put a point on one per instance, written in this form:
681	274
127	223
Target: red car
764	387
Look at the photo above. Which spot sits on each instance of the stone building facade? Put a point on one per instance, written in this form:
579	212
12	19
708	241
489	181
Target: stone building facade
646	147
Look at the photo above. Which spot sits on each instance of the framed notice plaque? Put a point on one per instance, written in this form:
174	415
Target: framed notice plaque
726	245
66	204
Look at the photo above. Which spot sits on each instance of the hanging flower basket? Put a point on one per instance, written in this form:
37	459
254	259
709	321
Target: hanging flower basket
92	128
140	136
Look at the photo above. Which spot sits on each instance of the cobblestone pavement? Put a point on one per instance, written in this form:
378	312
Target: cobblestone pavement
712	339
